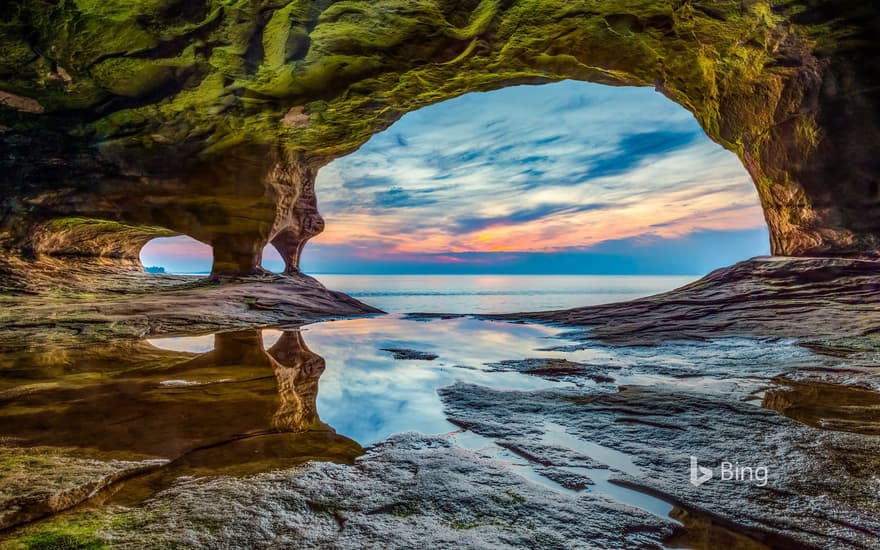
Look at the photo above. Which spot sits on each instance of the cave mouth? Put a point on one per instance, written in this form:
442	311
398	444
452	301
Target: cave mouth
567	178
230	156
553	178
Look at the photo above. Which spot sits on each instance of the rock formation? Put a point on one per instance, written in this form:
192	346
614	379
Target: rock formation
121	121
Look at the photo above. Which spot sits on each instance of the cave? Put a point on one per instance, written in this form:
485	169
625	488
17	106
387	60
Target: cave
124	124
555	155
160	135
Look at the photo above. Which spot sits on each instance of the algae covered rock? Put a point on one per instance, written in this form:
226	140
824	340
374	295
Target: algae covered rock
211	118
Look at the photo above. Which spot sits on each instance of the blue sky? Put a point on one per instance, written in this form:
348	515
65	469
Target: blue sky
562	178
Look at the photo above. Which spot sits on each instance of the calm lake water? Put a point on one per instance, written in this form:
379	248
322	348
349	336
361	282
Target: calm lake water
497	293
367	394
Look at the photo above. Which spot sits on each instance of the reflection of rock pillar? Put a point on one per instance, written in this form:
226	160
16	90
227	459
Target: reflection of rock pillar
244	347
306	222
298	369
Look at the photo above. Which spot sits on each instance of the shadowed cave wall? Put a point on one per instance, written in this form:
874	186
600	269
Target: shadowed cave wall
120	121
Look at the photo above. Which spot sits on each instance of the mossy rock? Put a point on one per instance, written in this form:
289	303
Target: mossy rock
141	103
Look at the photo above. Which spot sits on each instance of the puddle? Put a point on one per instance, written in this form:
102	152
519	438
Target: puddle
246	402
170	404
826	406
554	434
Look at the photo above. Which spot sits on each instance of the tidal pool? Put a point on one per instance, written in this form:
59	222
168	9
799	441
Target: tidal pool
261	400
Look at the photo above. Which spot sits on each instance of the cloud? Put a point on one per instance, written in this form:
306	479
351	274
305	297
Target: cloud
536	168
398	197
635	149
695	253
466	225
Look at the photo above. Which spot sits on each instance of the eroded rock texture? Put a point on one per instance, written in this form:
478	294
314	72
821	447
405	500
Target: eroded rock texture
831	303
124	120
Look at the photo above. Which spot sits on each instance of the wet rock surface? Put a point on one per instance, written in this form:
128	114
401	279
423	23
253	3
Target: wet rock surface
410	354
813	496
411	491
557	368
40	481
95	306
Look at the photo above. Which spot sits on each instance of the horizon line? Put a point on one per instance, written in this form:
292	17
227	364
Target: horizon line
464	274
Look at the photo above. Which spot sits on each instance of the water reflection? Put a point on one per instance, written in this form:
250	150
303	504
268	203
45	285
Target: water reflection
827	406
245	402
236	409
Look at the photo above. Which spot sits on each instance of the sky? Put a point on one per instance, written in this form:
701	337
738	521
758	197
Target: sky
567	178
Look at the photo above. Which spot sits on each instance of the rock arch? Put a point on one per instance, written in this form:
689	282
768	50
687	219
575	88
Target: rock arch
214	122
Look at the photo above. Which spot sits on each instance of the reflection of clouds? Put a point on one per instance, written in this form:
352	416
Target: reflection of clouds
535	168
271	337
367	395
192	344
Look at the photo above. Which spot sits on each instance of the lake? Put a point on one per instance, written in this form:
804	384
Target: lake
497	293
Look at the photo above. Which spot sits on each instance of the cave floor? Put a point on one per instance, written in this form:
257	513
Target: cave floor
91	306
551	430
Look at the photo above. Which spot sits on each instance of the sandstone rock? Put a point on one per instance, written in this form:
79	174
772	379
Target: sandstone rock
819	300
37	482
812	499
193	120
412	491
97	302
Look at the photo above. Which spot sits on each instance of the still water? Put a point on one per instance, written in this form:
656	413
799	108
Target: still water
369	394
256	400
497	293
366	394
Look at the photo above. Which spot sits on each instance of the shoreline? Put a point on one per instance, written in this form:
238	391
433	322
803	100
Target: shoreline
828	302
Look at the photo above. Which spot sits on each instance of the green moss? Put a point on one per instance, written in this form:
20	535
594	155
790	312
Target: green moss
229	70
509	497
81	38
284	36
65	532
482	17
807	131
405	510
135	76
63	541
74	223
468	525
208	524
14	51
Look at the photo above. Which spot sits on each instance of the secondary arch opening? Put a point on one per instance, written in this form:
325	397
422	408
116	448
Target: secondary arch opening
183	255
180	255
